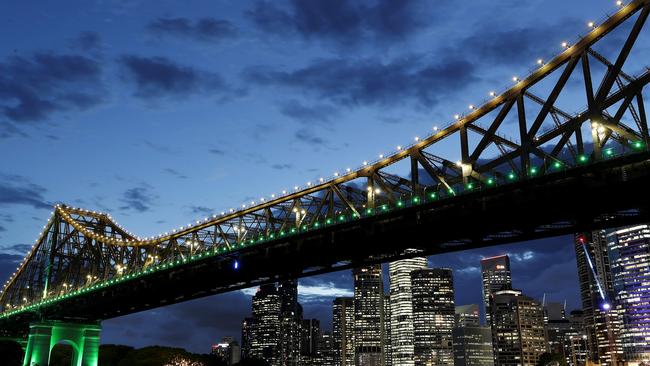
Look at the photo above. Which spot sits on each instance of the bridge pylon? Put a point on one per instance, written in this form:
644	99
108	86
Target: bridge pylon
45	335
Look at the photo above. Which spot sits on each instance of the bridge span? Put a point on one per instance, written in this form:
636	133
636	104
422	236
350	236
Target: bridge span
563	172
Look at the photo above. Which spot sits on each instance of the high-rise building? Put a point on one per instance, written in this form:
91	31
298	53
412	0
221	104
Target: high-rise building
401	305
343	331
266	325
290	323
388	351
368	316
472	342
518	335
467	316
496	276
326	349
594	275
246	337
629	251
433	316
565	333
309	342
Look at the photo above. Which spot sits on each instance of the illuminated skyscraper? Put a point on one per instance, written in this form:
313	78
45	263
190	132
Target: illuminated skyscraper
433	316
518	334
310	343
496	276
401	306
472	342
388	352
368	316
343	331
594	274
326	349
290	323
266	324
629	251
246	337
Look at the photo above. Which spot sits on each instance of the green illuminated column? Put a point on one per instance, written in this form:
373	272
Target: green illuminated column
38	345
44	336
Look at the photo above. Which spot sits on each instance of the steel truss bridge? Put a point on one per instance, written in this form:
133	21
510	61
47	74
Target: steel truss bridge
563	172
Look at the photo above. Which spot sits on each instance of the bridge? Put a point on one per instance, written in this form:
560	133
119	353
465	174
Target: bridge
563	172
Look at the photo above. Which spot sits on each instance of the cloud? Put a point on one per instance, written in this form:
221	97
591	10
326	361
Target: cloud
284	166
159	77
204	29
201	210
216	151
516	46
87	42
33	88
318	291
344	22
523	257
175	173
19	249
18	190
317	113
369	82
309	137
138	198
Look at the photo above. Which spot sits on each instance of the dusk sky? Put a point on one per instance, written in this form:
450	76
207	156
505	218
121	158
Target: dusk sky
162	112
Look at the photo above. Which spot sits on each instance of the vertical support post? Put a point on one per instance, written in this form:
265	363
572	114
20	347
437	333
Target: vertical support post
466	167
415	176
524	137
644	118
595	138
370	197
38	345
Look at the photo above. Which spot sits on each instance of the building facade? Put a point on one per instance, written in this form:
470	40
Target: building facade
290	323
433	316
246	337
496	276
595	277
629	251
368	316
343	331
266	325
401	305
518	334
472	343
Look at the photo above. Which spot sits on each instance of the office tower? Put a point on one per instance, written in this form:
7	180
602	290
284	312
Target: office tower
496	276
579	350
368	316
433	316
326	349
594	274
388	352
246	337
401	305
629	252
565	333
472	342
518	335
467	316
343	331
290	323
309	342
266	325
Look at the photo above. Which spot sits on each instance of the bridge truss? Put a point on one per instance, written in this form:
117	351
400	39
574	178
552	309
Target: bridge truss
81	251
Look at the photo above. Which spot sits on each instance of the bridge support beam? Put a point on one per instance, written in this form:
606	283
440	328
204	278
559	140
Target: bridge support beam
44	336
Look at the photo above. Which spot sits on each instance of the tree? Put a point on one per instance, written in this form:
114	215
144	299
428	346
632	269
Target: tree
12	353
551	359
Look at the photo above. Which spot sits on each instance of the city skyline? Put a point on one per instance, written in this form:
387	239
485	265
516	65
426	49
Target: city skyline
219	70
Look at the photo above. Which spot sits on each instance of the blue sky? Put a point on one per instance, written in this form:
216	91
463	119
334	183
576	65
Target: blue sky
161	112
